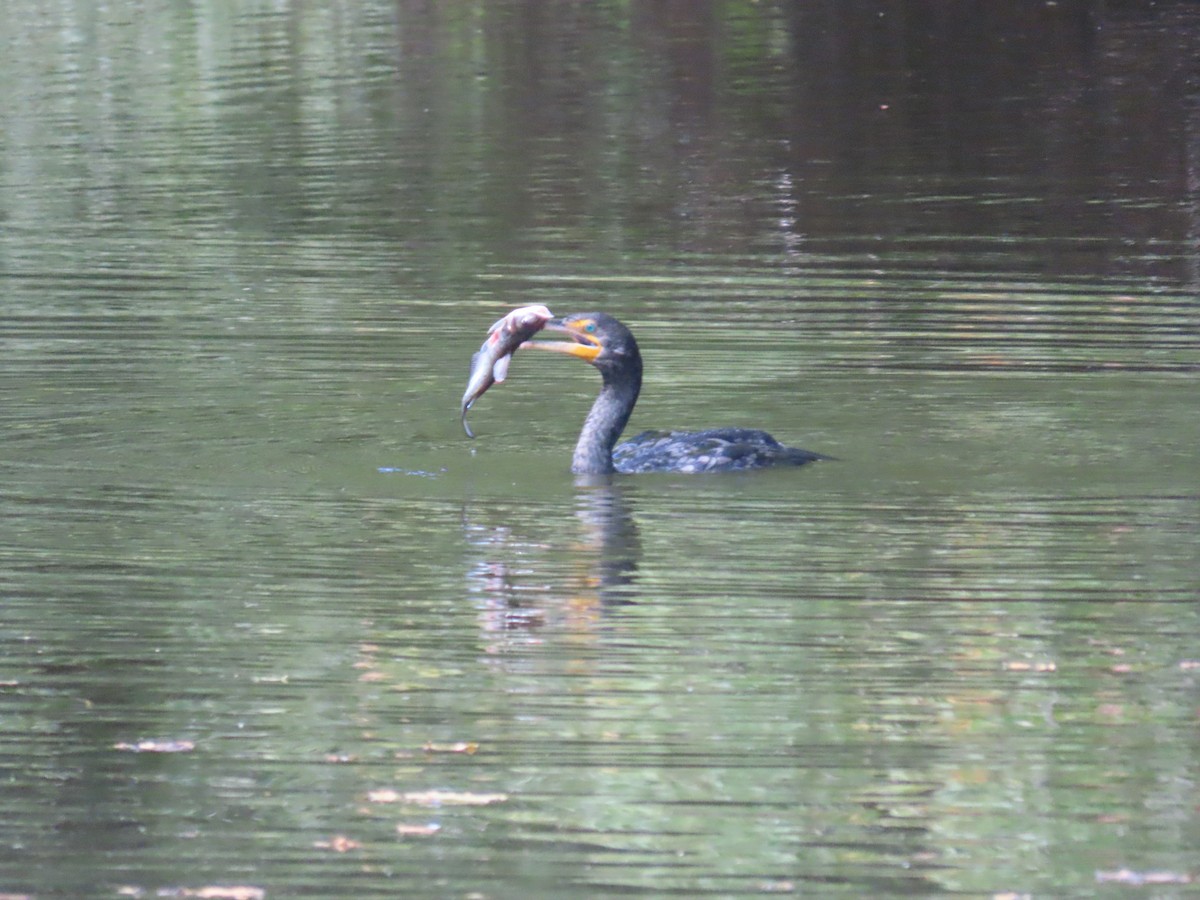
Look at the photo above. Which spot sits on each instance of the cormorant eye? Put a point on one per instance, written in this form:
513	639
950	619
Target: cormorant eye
589	327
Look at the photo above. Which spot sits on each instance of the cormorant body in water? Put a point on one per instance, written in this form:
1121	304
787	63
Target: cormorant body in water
608	345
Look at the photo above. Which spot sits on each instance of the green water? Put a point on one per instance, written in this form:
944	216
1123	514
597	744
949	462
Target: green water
246	253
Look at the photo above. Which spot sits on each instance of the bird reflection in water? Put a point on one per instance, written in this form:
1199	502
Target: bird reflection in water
611	534
525	585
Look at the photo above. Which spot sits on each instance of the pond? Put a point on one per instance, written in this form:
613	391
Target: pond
274	627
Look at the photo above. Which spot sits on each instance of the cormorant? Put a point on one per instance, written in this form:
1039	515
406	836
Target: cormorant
608	345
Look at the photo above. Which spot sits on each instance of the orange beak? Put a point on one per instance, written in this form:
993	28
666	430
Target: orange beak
584	345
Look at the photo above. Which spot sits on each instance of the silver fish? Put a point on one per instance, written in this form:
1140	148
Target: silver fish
490	364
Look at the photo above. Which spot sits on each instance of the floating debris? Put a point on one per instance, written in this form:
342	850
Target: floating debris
150	746
408	829
468	747
339	843
435	797
1022	666
1128	876
211	892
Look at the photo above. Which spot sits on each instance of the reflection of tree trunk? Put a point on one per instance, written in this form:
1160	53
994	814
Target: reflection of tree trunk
1188	36
679	39
1192	149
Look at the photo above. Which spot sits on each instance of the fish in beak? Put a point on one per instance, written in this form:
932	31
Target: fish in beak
490	364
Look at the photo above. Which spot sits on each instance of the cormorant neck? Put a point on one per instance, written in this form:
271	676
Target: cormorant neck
607	418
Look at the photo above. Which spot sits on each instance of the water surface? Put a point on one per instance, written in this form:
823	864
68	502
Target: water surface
270	620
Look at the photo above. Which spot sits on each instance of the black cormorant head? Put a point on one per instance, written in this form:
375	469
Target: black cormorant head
597	338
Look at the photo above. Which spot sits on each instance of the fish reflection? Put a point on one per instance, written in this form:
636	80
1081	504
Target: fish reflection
525	583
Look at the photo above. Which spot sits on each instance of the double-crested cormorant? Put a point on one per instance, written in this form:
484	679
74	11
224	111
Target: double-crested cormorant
608	345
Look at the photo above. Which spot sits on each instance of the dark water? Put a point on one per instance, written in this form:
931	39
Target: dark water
272	624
